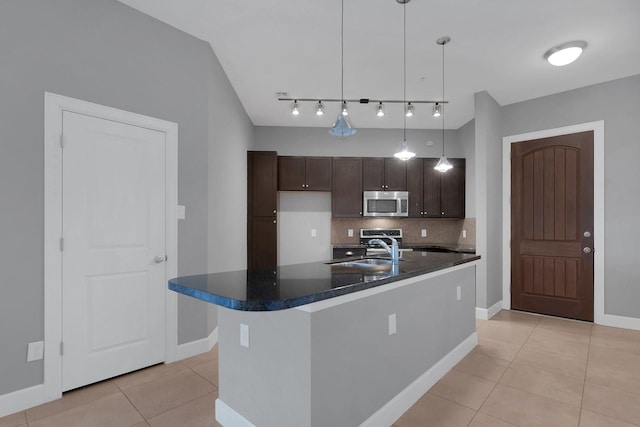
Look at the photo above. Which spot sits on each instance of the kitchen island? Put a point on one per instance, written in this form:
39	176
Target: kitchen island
340	344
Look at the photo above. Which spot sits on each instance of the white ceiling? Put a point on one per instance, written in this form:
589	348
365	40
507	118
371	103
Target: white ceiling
269	46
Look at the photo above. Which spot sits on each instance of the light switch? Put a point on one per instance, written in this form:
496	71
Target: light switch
464	234
423	233
350	232
181	212
35	351
313	232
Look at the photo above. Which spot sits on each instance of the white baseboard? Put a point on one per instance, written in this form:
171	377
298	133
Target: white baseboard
230	418
200	346
397	406
621	322
21	399
488	313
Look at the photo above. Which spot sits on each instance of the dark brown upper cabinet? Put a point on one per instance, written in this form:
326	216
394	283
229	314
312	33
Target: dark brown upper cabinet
384	174
434	194
346	194
296	173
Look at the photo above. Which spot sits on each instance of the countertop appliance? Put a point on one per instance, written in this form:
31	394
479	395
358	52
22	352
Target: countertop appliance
384	234
385	203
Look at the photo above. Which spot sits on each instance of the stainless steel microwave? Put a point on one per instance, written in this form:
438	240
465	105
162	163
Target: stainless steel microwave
385	203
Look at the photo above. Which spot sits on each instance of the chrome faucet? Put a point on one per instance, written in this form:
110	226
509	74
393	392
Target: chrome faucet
393	250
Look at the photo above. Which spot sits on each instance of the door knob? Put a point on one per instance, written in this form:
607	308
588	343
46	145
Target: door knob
160	258
586	250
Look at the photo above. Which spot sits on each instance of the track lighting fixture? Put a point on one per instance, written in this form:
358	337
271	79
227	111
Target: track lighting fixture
319	109
345	111
437	110
294	108
409	110
380	109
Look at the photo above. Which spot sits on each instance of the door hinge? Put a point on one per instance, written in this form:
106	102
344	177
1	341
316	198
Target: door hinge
61	140
61	244
61	348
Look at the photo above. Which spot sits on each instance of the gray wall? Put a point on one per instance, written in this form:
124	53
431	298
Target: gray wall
618	104
298	213
489	199
467	141
104	52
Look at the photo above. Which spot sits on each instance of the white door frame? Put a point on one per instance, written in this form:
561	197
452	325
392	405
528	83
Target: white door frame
54	106
598	209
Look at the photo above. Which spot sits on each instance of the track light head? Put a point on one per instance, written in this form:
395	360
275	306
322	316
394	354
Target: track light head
319	108
380	109
345	112
294	108
437	110
409	110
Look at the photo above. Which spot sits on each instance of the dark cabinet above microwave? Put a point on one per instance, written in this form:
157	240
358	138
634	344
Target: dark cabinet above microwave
384	174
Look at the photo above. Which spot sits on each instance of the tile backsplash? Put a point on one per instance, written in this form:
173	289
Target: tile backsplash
439	230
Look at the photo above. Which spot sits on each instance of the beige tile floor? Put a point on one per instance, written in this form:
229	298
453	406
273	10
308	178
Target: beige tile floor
526	371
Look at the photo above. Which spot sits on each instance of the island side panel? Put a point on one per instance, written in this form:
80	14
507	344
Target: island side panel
357	367
268	383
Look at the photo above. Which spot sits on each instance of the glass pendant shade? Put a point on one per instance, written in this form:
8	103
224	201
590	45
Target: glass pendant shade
342	128
443	165
404	153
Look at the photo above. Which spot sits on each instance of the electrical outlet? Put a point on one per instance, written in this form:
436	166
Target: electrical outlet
244	335
313	232
35	351
458	293
350	232
182	212
392	324
423	233
464	234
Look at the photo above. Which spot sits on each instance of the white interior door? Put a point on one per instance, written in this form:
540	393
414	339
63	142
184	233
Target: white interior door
113	270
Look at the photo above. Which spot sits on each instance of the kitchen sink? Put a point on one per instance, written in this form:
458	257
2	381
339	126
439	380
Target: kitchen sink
366	262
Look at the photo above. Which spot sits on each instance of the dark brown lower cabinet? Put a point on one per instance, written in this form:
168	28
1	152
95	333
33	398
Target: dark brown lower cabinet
262	205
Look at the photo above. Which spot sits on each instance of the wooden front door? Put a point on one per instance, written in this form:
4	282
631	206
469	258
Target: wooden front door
552	226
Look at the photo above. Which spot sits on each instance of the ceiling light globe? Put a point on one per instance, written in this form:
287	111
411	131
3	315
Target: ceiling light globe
565	54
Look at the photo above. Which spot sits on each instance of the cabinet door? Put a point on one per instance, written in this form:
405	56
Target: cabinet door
414	186
431	189
452	190
291	171
262	193
395	174
318	173
373	174
346	192
262	243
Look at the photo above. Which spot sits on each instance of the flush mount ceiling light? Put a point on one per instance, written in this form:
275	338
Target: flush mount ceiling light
404	153
319	109
565	53
443	164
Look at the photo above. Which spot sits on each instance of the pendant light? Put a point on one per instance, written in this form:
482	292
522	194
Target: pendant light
404	153
443	164
342	128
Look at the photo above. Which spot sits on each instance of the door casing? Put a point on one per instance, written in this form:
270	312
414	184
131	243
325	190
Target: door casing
598	209
54	106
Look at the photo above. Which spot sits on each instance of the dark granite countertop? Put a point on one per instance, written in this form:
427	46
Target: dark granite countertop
295	285
446	247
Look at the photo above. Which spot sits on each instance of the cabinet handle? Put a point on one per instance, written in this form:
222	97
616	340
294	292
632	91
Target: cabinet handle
442	212
302	185
348	253
274	211
274	221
